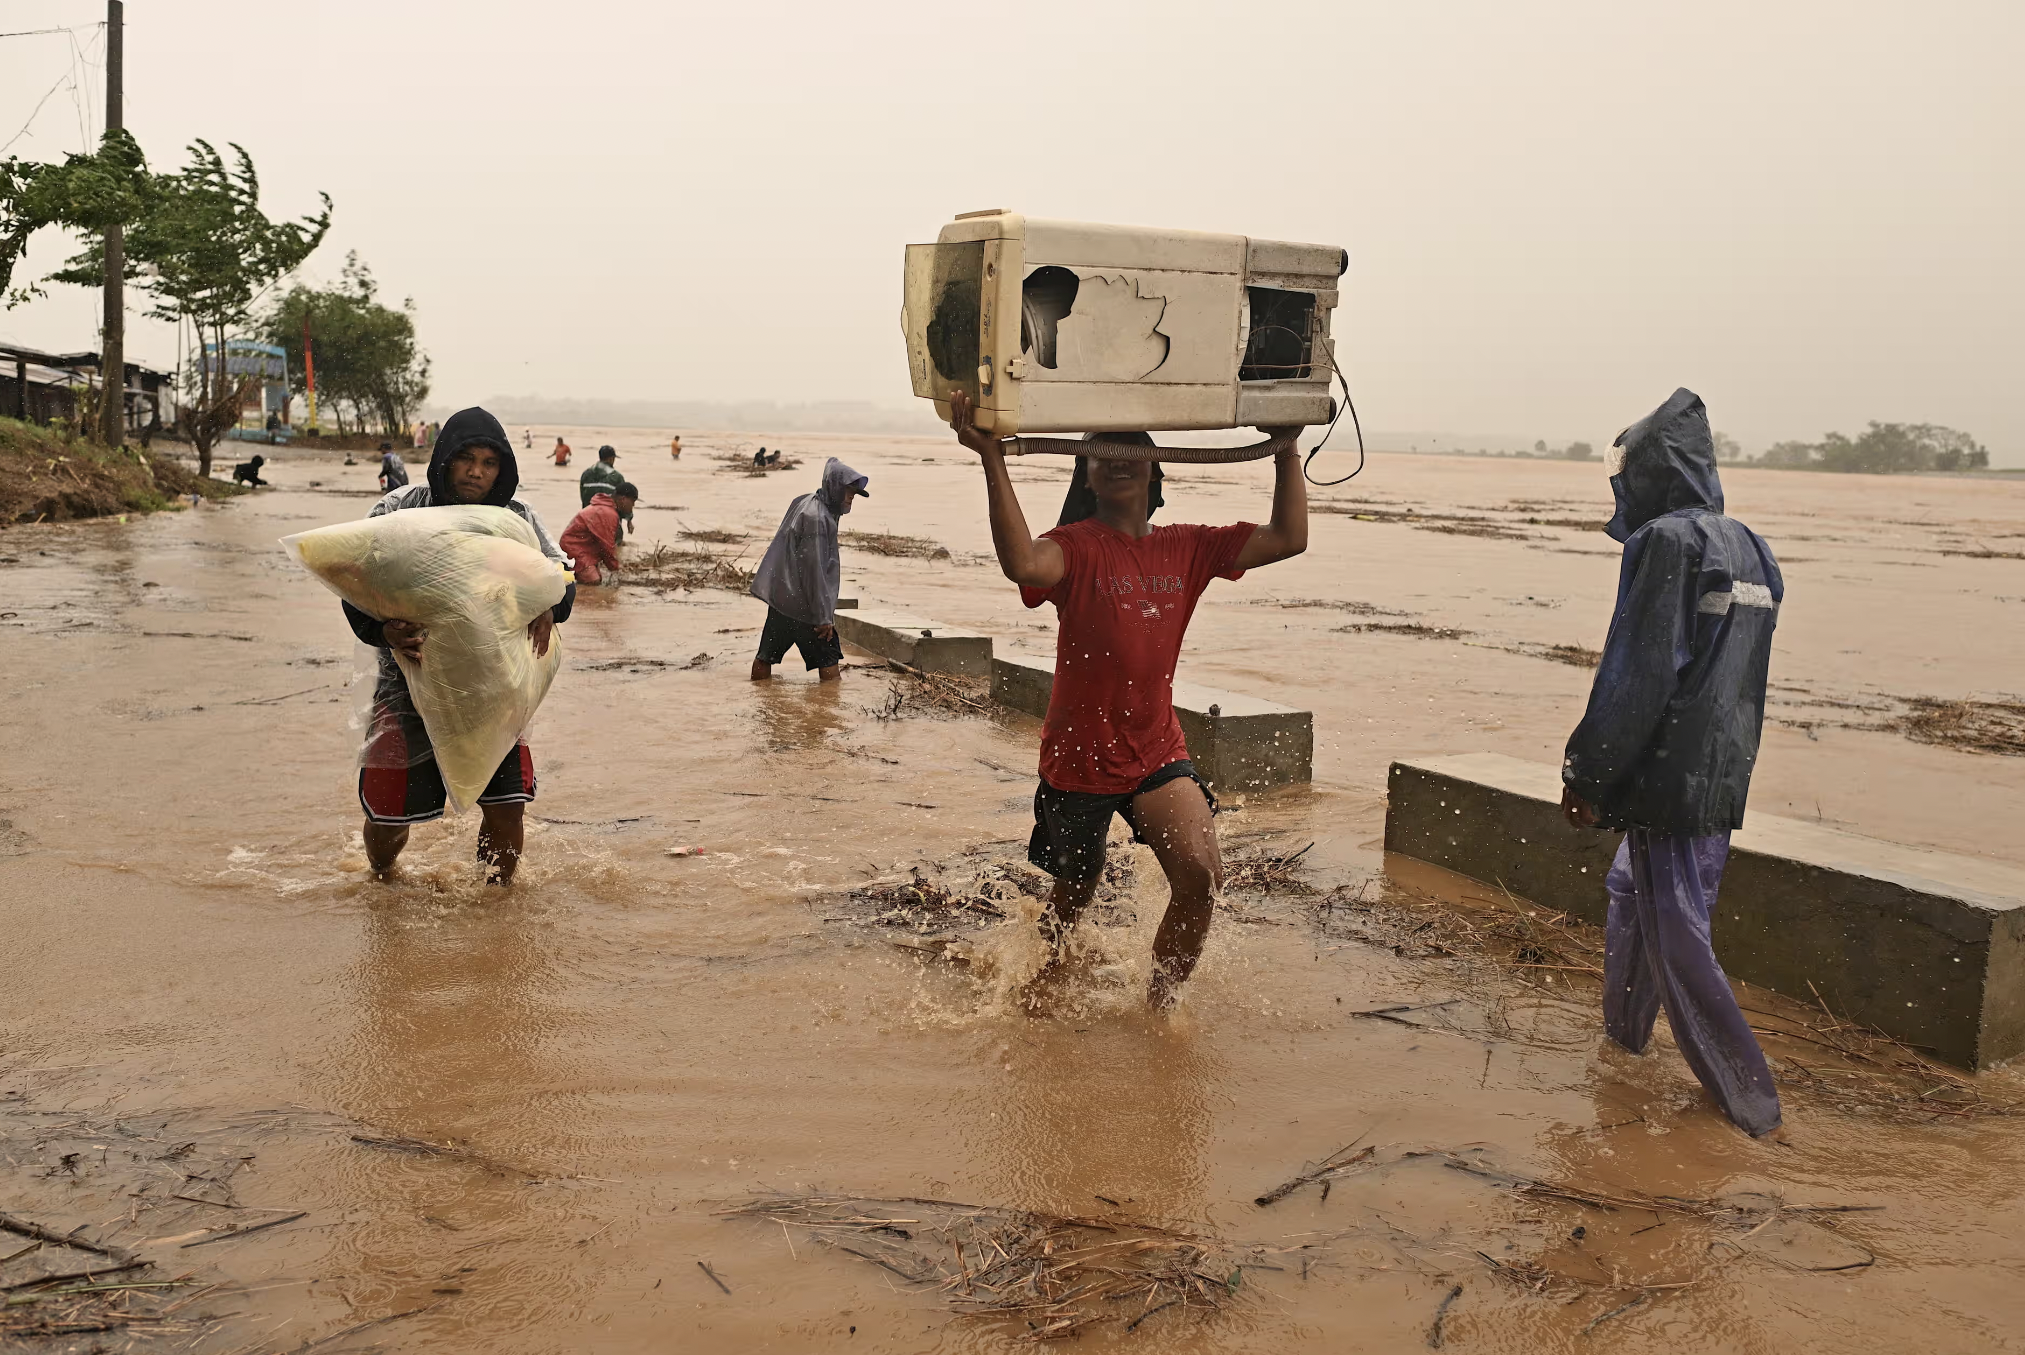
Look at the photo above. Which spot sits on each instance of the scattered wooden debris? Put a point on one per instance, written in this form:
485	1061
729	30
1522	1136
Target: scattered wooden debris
1970	726
674	567
889	543
914	691
1055	1275
1332	1166
1253	870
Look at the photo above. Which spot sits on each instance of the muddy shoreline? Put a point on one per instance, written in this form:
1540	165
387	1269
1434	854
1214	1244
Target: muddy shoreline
508	1122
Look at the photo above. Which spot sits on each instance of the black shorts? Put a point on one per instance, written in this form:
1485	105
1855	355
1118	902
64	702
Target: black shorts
783	633
1070	825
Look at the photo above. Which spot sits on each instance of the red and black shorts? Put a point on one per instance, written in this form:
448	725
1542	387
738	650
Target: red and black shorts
399	782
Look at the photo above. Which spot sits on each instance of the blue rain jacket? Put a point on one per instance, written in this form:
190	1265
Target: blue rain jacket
1671	734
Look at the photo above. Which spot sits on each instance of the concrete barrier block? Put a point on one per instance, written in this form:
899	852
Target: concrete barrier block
1239	743
1022	682
928	645
1927	946
847	604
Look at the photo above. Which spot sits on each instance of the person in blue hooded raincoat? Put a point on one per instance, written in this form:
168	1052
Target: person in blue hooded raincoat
1666	748
801	575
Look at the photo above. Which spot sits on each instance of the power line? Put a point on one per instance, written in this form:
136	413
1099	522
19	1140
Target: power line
67	75
37	32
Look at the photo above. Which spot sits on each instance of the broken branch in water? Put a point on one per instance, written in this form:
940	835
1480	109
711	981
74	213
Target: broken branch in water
231	1233
1441	1316
1392	1013
29	1228
1332	1166
704	1266
75	1275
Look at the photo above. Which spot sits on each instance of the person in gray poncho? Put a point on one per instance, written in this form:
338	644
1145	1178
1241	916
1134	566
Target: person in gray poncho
799	578
1666	749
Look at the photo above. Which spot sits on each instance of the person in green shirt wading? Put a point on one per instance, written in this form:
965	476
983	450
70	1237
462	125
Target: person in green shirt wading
604	478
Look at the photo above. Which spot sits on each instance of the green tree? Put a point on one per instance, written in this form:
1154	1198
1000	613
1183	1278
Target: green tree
1580	451
365	352
1728	448
88	194
1899	448
205	252
1790	455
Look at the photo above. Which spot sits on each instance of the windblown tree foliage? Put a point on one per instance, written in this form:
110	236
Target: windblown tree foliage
1884	449
204	251
366	356
86	193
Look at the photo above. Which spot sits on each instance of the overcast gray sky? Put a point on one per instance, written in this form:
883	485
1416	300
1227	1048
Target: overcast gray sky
1812	213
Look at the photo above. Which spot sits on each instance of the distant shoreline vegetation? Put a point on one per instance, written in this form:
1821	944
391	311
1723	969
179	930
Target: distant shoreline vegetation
1882	449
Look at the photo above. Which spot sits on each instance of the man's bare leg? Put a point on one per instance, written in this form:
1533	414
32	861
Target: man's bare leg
761	670
1066	902
1175	821
500	837
384	842
830	674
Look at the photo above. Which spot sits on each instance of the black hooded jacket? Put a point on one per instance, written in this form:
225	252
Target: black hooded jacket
1671	734
465	427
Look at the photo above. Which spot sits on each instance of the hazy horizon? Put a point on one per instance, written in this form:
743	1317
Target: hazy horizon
1555	214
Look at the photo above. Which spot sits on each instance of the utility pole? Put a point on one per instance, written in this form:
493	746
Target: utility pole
112	365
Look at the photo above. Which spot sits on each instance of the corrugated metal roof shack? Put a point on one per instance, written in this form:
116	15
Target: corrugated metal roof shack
41	387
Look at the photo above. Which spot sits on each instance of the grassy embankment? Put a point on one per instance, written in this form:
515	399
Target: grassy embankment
46	477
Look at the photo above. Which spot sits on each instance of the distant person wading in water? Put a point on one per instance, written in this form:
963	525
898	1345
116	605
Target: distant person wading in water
1124	590
393	470
604	478
800	577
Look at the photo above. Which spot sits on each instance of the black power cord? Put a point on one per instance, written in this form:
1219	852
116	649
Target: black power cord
1355	423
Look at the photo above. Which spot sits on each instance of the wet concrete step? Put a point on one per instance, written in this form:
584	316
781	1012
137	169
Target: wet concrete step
1927	946
1239	743
927	644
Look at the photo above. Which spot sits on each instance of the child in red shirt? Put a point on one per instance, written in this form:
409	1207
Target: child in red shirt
1124	591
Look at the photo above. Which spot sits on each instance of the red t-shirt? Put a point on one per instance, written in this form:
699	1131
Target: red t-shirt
1123	606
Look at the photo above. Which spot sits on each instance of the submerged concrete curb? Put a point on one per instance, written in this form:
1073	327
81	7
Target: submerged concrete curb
928	645
1239	743
1927	946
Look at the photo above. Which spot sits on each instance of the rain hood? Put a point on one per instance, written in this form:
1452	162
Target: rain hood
465	427
1669	463
802	573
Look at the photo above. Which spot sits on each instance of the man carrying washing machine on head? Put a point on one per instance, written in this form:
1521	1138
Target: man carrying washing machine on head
1124	591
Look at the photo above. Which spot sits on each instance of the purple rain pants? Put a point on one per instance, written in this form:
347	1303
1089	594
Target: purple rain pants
1658	948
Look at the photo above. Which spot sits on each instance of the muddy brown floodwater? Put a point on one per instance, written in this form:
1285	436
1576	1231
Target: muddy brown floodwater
510	1121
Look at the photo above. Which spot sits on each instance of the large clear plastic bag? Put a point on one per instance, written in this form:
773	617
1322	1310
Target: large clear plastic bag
475	576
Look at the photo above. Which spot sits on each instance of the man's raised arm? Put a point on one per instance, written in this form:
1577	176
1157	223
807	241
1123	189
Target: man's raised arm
1027	561
1287	534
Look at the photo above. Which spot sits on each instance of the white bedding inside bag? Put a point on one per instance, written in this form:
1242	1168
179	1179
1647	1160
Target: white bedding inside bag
475	576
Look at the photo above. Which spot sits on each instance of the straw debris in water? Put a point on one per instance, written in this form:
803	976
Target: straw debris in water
1054	1275
667	567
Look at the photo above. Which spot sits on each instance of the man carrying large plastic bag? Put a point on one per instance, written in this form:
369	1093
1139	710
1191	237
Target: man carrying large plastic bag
399	780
